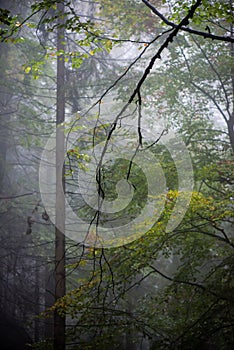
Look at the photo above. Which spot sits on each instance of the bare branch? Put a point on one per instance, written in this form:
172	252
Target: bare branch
205	35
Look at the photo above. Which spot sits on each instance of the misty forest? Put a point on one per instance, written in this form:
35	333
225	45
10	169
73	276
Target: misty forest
116	175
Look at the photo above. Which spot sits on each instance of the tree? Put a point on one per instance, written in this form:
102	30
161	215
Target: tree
118	288
59	322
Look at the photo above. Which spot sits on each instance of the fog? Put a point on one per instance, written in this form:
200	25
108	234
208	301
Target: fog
116	175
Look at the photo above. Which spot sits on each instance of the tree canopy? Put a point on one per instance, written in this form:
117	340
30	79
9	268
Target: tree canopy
117	130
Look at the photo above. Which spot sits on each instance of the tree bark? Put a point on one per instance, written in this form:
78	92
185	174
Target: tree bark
231	120
59	321
37	299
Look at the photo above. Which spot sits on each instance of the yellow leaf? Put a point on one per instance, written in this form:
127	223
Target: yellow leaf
27	69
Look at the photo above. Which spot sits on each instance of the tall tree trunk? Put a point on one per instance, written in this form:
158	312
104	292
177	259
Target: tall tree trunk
59	321
231	120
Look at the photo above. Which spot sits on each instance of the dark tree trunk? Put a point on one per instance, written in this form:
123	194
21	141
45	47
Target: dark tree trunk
59	321
37	299
231	120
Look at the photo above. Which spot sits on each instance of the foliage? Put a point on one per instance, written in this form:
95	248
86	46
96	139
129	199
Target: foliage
173	290
209	11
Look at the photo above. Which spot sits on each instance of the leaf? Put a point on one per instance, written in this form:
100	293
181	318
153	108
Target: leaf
27	70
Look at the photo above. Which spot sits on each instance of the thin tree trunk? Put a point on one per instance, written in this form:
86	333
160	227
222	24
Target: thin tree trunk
37	299
59	321
231	120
